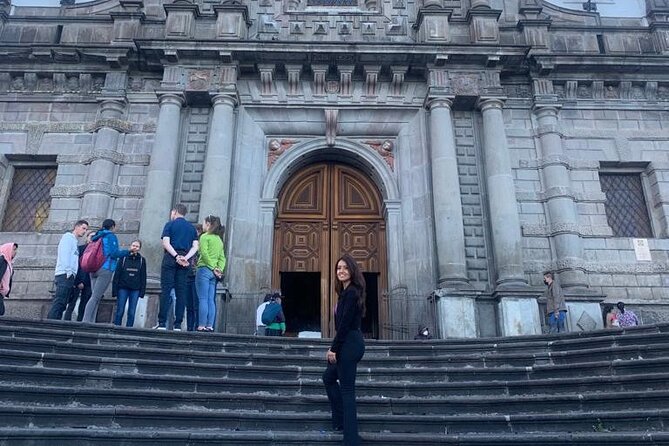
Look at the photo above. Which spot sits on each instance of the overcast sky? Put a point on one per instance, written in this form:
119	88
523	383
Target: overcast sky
615	8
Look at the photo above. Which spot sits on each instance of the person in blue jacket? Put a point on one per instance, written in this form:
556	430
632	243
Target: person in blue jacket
101	278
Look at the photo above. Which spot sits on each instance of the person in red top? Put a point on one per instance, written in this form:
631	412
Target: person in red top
347	349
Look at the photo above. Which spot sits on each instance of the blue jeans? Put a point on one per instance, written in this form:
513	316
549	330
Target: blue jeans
172	276
205	283
131	297
63	290
556	324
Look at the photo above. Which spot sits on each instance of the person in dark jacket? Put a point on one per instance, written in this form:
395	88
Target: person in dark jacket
347	348
278	325
7	254
192	301
81	289
129	284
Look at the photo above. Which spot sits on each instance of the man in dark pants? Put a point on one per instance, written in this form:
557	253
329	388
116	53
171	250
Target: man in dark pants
82	288
180	243
67	265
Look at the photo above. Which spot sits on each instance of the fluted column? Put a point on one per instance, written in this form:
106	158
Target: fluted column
215	196
158	195
562	211
97	196
448	221
504	219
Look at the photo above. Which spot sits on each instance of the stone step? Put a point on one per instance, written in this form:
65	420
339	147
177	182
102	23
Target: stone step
52	396
287	372
116	437
96	333
315	357
112	379
635	420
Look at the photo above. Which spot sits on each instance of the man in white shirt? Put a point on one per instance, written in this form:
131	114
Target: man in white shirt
67	265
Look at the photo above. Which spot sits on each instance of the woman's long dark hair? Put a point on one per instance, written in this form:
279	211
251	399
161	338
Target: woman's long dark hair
215	226
357	280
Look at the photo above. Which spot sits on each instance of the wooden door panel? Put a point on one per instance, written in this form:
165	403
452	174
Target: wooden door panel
356	197
306	195
301	244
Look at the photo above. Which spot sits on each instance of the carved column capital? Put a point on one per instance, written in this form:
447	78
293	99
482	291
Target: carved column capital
432	103
486	104
224	99
175	98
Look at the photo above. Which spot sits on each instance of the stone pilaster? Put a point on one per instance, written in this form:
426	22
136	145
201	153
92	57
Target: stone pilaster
215	196
128	21
4	13
394	245
433	23
181	18
562	212
232	20
158	196
483	26
96	204
657	12
504	219
448	223
534	25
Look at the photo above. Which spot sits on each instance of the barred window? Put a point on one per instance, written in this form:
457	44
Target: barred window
29	201
626	209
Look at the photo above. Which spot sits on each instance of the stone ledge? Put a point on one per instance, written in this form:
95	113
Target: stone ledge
79	190
110	155
538	230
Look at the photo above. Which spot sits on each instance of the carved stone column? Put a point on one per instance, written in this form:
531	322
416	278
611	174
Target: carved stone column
215	196
448	222
657	12
158	196
562	212
96	204
504	218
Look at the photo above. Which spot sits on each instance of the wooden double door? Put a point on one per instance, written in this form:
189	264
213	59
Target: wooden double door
325	210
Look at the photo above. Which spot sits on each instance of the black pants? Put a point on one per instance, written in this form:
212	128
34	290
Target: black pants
63	291
83	295
174	276
192	305
339	380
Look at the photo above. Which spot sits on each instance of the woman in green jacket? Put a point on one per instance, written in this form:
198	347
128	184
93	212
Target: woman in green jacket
210	266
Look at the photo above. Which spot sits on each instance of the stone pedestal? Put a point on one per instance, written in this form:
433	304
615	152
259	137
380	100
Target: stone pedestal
584	316
518	315
456	314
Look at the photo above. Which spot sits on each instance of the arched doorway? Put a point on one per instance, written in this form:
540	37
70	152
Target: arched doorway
327	209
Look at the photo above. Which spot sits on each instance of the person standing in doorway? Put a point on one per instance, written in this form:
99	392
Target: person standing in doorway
82	287
556	308
210	266
7	254
129	284
101	278
67	265
347	349
180	244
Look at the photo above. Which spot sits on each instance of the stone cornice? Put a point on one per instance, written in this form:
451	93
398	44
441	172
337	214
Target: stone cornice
537	230
78	190
122	226
110	155
119	125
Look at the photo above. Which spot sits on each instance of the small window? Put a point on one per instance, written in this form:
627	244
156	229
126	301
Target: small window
626	209
29	201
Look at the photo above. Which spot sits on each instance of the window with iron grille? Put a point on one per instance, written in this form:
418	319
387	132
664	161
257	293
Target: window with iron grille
29	200
626	209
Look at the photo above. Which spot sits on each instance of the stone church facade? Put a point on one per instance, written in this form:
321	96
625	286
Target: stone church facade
458	148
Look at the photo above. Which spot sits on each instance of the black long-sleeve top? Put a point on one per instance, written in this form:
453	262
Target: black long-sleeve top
348	316
3	269
130	274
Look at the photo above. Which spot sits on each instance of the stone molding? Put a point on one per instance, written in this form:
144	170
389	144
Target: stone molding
561	192
384	149
122	226
110	155
598	267
538	230
78	190
568	162
119	125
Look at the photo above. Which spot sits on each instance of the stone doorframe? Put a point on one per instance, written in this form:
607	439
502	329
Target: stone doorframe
369	162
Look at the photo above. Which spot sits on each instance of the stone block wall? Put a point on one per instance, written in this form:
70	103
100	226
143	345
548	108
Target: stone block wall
196	129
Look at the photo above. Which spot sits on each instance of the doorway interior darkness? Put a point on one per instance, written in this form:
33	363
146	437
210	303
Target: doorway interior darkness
302	302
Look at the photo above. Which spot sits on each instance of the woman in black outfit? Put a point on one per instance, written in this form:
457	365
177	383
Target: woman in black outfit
347	348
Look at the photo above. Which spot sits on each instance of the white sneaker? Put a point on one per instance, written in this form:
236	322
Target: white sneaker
160	328
177	329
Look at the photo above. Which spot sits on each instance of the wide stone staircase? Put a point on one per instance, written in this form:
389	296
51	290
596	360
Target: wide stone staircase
65	383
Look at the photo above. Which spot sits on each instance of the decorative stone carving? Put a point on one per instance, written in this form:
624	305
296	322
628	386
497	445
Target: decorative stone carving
385	149
276	148
368	28
584	91
109	155
181	16
598	89
651	90
119	125
372	75
296	27
332	87
532	230
319	79
232	20
398	80
396	27
626	90
345	74
344	28
78	190
266	79
465	84
331	116
571	88
199	80
371	5
293	79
